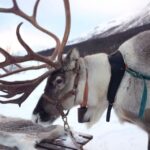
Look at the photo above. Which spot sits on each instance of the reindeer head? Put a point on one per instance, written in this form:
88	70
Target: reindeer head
60	91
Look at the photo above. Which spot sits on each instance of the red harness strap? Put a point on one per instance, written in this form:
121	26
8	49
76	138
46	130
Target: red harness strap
86	91
83	106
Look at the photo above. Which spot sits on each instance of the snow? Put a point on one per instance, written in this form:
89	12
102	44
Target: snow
97	30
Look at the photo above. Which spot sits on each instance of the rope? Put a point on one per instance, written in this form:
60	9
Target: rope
144	94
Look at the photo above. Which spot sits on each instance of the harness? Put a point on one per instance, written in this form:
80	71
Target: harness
143	77
118	68
117	71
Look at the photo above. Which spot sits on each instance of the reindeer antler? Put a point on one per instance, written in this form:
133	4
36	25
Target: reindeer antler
67	29
25	88
32	19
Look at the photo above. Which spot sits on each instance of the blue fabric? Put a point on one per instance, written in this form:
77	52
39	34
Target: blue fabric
144	94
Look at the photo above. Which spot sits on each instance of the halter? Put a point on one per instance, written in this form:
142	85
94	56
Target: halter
73	92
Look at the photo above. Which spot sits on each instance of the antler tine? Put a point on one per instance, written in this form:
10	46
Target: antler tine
21	70
35	9
9	59
24	88
32	19
16	59
67	29
30	54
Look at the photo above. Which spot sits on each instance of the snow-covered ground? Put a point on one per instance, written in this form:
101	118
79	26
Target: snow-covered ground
107	136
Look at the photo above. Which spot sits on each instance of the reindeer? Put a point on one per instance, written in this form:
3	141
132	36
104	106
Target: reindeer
97	82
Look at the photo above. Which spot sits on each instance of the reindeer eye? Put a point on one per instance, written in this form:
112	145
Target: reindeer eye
58	81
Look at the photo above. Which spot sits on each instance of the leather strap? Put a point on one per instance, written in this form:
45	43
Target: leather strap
117	72
86	91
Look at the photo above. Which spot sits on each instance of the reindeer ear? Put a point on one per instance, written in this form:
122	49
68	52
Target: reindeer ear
71	58
73	55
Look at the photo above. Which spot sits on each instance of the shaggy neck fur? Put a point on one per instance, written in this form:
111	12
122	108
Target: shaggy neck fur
99	74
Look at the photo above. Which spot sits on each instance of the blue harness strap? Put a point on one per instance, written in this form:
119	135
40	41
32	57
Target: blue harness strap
144	95
118	68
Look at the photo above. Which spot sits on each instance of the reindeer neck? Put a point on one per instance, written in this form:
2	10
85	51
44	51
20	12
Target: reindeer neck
98	69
